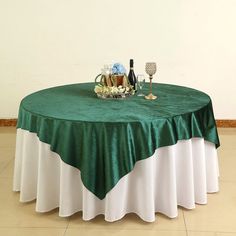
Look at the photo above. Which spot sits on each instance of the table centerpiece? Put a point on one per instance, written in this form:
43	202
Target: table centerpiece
113	82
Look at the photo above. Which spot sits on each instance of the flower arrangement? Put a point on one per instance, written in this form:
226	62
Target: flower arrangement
113	92
118	69
113	82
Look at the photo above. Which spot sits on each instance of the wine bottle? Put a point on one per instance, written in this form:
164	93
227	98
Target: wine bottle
131	76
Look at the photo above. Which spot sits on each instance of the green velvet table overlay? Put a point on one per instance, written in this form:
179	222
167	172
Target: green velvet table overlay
105	138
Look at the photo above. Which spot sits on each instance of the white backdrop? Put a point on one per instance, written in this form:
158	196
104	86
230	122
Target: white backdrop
44	43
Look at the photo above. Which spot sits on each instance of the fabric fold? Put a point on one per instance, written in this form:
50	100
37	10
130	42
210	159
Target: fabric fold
177	175
104	139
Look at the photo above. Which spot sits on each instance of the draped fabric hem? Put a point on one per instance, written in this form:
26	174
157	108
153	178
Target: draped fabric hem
177	175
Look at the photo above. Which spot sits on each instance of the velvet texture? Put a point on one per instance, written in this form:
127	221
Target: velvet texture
105	138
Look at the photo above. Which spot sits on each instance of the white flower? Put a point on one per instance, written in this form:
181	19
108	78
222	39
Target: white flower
114	90
98	89
106	91
121	89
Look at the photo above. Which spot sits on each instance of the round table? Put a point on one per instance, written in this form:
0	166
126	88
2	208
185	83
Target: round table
105	139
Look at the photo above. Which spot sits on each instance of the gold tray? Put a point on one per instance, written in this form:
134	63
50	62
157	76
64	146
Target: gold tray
114	96
106	92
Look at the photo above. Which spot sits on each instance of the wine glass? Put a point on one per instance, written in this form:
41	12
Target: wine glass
150	69
141	83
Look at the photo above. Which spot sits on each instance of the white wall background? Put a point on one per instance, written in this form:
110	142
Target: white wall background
44	43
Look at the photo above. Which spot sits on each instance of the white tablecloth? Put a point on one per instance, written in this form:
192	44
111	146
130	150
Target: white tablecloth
181	174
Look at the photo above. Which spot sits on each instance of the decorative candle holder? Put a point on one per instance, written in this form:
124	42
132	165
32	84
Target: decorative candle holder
150	69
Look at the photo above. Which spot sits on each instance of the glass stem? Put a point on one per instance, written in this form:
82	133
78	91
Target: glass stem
150	84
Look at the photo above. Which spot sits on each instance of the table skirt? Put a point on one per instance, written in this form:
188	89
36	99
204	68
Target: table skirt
181	174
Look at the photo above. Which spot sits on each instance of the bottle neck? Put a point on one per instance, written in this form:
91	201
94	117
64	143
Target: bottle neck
131	63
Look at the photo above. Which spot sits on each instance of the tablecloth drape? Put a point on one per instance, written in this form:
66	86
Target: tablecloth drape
105	138
179	174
